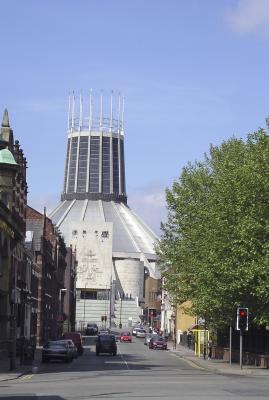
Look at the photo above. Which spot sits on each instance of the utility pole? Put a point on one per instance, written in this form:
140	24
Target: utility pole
84	306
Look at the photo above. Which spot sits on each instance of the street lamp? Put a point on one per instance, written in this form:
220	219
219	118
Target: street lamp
120	324
60	317
63	290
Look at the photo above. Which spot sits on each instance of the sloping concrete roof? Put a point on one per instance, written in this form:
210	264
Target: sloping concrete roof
131	236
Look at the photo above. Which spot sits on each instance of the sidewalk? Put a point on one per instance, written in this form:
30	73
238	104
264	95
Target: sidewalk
217	366
7	375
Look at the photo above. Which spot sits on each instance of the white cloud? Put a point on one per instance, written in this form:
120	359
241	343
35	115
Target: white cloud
150	205
250	16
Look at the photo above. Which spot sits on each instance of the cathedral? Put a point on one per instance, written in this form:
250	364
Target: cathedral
115	248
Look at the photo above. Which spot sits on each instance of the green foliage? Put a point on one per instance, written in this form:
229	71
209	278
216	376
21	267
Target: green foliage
215	244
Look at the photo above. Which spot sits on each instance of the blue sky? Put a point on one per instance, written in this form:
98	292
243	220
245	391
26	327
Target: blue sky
193	73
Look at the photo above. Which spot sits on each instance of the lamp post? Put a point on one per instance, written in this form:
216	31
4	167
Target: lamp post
120	324
62	290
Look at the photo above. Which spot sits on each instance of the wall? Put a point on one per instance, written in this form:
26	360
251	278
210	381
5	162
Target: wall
130	277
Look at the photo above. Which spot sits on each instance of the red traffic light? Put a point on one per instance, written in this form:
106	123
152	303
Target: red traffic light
242	319
243	313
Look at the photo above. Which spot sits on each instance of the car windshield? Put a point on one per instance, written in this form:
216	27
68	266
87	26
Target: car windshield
160	339
55	344
126	334
107	338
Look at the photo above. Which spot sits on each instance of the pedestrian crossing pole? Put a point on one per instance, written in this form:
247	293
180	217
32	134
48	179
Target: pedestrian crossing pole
241	325
241	347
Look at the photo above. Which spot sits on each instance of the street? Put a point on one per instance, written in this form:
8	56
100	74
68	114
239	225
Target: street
135	373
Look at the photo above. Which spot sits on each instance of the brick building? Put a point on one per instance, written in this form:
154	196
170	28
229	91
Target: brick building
13	199
50	255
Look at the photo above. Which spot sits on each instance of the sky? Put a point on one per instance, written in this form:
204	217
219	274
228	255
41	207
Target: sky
193	73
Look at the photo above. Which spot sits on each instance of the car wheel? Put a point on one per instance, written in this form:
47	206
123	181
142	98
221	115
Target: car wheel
115	353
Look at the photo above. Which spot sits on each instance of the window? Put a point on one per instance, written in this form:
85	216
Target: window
94	165
106	165
88	294
72	166
82	164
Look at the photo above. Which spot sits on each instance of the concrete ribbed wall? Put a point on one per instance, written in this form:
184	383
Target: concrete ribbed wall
131	277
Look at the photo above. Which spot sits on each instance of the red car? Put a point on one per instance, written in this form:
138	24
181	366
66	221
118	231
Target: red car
158	342
126	337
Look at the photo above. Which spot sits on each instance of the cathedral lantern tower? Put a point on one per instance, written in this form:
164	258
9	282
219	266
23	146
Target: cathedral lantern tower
94	166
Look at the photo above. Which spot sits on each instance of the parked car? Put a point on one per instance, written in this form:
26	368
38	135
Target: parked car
72	345
106	344
57	350
140	333
158	342
126	337
77	339
91	329
148	337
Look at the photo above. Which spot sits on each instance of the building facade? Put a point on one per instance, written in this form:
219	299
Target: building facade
15	295
114	246
49	252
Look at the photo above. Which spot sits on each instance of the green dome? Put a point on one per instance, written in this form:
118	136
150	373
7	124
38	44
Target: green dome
6	157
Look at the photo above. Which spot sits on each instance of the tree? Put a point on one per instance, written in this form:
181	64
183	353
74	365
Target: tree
216	240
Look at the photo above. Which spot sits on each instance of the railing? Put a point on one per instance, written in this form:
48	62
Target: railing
107	125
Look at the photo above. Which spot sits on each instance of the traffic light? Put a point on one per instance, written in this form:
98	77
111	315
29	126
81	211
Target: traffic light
242	319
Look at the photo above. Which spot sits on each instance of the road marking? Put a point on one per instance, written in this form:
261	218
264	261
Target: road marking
191	363
26	377
125	362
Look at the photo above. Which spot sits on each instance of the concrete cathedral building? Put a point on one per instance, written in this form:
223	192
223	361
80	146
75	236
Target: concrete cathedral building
115	248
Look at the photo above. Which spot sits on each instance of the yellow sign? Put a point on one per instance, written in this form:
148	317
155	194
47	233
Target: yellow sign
4	226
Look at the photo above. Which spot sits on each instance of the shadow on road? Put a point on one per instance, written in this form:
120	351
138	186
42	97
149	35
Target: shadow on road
30	397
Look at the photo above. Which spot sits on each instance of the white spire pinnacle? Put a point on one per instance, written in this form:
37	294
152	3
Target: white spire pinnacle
111	112
80	112
73	111
69	111
101	110
90	114
122	116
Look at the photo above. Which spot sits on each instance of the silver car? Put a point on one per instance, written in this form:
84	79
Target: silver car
57	350
71	345
140	333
